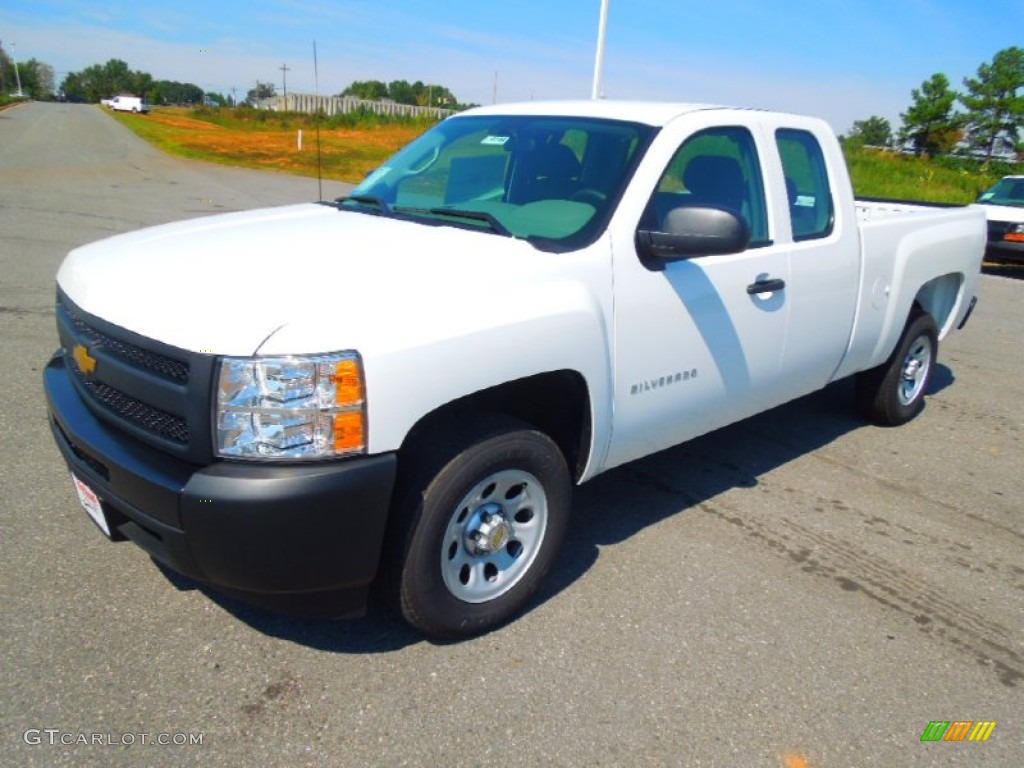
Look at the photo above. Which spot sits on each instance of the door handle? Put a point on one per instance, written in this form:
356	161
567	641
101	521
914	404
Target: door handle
766	286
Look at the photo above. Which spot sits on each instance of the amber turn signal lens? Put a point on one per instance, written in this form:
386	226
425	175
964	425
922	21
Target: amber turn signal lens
349	434
348	383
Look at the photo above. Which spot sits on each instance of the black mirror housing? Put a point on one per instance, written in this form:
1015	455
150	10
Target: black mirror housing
694	231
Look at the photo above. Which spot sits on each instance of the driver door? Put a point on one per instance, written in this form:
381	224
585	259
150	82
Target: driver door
697	344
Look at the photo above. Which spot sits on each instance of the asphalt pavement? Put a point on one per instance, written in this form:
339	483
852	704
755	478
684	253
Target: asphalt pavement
800	590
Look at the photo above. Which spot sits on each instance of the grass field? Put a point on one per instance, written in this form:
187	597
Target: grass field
242	138
352	146
906	177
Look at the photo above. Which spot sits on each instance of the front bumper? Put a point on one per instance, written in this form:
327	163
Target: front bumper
1005	251
304	539
1000	246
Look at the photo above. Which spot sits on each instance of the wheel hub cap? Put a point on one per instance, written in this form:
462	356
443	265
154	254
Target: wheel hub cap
915	371
911	370
488	532
493	535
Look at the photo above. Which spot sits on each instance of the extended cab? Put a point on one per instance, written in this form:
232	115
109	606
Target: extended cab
402	386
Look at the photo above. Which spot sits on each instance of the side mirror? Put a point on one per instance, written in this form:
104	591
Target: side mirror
691	232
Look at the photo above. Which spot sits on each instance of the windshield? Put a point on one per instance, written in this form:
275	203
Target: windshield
1008	191
551	180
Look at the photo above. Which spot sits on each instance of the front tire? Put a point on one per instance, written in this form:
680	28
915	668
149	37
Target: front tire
893	393
481	528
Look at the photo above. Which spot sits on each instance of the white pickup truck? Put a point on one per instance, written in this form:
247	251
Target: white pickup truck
1004	206
402	386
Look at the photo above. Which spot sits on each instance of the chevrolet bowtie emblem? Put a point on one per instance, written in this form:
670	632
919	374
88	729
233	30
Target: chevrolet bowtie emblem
86	363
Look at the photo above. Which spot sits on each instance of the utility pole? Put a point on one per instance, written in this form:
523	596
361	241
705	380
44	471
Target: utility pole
17	75
598	90
284	82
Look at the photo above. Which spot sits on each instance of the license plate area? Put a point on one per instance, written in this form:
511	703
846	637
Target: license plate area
92	505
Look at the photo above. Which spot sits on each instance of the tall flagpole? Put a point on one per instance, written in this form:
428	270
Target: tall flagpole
598	90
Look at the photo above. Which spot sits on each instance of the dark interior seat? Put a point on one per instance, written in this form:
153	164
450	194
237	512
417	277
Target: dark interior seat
550	172
716	180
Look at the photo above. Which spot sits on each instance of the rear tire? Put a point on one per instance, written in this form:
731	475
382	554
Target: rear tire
893	393
479	526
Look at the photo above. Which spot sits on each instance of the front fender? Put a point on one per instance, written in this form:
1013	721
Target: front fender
560	327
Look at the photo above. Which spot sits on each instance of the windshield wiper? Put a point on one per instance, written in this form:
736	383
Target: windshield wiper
369	200
496	226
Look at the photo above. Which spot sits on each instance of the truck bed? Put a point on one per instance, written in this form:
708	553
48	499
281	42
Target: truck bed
906	245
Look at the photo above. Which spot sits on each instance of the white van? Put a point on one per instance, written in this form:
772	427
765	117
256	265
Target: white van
127	104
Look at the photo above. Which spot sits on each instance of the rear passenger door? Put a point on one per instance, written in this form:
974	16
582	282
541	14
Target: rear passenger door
824	259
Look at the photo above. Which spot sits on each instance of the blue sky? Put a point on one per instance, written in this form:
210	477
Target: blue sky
838	59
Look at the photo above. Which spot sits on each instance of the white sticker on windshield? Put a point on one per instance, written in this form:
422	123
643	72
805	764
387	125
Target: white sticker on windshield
495	141
376	176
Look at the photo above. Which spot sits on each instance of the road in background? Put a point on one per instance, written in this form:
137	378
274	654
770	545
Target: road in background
796	587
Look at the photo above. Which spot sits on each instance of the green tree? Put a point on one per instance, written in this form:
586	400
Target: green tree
371	90
260	92
219	99
435	96
141	84
995	104
114	77
8	82
402	92
930	125
875	131
37	79
101	81
173	92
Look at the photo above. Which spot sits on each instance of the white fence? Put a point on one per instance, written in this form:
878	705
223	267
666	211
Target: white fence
340	105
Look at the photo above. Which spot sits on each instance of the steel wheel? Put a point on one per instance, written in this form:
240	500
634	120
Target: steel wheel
893	393
480	515
916	366
494	535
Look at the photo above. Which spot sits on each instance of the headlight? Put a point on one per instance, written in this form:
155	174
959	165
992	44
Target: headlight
301	407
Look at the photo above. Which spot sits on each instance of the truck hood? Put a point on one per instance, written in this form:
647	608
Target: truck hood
1010	213
225	284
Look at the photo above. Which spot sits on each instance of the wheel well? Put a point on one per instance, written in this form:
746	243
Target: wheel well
555	403
938	298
